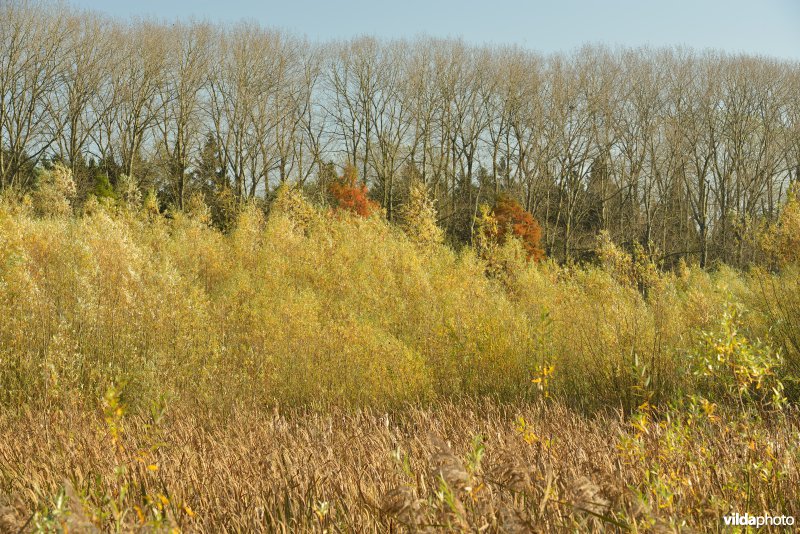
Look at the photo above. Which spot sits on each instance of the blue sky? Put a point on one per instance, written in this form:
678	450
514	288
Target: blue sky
768	27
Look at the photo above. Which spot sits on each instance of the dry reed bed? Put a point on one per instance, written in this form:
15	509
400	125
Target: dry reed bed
535	467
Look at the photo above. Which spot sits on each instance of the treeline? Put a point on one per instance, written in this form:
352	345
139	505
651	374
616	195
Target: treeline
684	153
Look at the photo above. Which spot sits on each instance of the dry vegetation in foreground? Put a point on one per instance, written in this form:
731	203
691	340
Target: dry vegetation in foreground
315	370
461	466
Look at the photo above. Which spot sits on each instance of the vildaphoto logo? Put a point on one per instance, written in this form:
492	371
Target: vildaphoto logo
744	520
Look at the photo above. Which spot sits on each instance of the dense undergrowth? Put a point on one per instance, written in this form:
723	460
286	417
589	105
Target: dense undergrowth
681	384
308	306
449	467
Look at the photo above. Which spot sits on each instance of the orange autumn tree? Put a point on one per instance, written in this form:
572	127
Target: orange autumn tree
510	215
351	195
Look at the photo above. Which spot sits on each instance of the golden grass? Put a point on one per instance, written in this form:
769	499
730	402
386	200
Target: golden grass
306	371
462	466
341	310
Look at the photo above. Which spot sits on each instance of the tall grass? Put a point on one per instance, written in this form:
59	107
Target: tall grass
316	370
333	308
449	467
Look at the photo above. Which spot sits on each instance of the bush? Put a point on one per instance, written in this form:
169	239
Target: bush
781	241
55	192
128	192
418	216
635	270
512	218
305	306
290	202
197	209
732	369
102	186
349	195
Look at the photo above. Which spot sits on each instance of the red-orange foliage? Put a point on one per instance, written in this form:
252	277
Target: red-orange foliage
350	195
510	214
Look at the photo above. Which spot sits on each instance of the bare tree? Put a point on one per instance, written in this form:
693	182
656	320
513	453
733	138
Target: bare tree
679	151
32	58
137	90
75	104
182	98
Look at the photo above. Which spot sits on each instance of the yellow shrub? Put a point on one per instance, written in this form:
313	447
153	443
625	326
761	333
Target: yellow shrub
781	241
55	193
348	310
